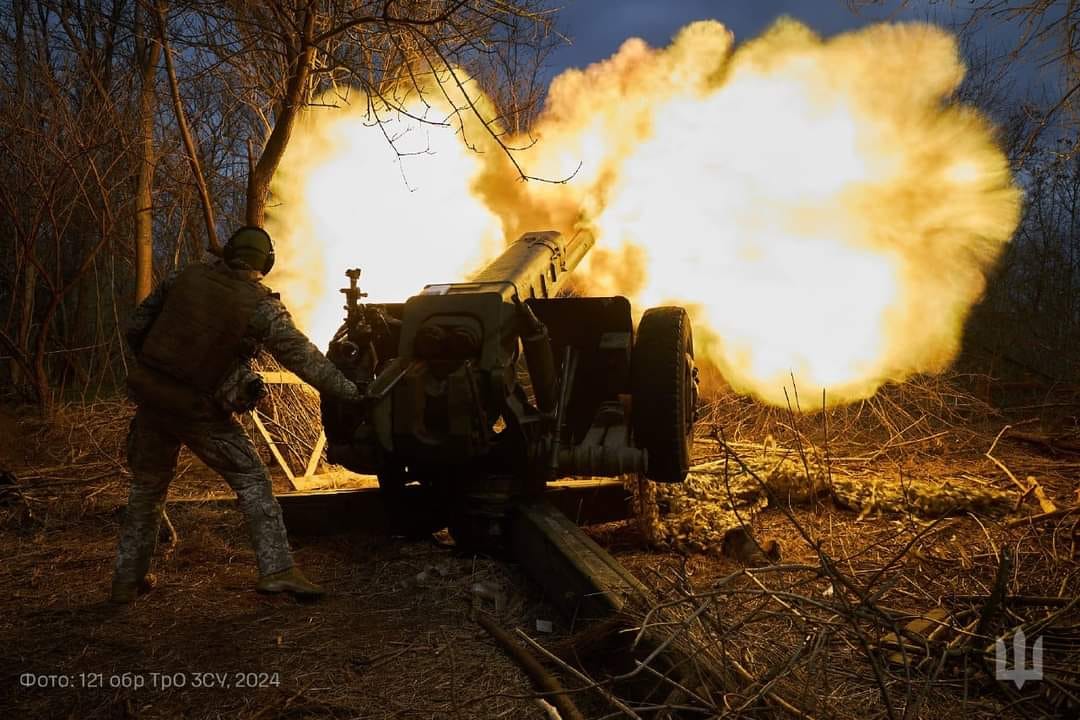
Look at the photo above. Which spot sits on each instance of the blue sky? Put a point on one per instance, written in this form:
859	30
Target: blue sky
598	27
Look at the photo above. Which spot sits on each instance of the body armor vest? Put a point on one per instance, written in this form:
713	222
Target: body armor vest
197	339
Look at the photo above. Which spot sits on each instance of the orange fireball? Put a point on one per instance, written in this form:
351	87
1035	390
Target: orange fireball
825	208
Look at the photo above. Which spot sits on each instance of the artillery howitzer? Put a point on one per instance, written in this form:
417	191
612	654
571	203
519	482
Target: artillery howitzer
478	393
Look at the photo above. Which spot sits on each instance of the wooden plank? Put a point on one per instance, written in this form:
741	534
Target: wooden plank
578	575
289	378
274	449
281	378
316	455
360	510
332	480
305	483
330	512
284	377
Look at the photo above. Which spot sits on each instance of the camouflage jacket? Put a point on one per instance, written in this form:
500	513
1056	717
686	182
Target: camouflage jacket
271	328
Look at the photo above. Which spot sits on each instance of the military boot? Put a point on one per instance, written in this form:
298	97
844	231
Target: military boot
124	592
290	581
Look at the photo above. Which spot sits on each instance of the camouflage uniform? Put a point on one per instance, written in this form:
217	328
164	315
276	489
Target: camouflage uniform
218	439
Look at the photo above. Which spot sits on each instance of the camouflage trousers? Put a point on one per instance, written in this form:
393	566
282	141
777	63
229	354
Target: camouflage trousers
153	447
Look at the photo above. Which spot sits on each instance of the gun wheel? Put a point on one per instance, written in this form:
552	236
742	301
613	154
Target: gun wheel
664	386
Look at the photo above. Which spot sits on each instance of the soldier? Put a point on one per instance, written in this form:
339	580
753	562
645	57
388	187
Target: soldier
194	338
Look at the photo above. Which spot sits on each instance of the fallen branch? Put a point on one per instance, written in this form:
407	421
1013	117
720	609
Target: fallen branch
1032	486
1053	444
989	454
542	679
1061	512
1021	600
598	637
615	702
996	599
1045	502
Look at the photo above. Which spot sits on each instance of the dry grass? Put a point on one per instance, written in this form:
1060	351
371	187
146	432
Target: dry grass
397	638
810	632
816	633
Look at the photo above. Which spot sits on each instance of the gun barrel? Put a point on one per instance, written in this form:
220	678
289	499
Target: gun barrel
538	263
577	248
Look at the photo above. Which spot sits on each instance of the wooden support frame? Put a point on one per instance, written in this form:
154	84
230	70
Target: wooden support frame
307	480
274	449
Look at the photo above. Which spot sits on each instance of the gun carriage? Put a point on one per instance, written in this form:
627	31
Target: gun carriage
478	393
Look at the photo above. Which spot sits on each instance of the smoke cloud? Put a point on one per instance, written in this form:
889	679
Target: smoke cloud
824	207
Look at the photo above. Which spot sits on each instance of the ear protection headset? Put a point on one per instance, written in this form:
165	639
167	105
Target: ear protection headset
230	249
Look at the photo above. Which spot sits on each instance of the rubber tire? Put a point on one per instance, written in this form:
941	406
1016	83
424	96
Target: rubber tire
664	386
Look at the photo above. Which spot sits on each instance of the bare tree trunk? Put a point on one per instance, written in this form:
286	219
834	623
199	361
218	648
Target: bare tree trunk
26	319
296	92
185	134
18	358
147	51
19	8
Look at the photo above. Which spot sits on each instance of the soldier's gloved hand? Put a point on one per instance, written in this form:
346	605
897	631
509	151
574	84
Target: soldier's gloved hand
361	394
342	414
256	390
347	397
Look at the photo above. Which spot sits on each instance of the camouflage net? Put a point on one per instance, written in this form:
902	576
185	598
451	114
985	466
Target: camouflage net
719	497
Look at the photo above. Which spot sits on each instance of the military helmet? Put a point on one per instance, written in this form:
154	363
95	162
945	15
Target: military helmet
251	245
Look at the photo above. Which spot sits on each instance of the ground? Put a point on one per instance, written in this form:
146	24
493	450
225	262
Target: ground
397	638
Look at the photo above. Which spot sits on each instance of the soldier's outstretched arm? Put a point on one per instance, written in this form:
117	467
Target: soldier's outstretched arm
147	312
291	348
